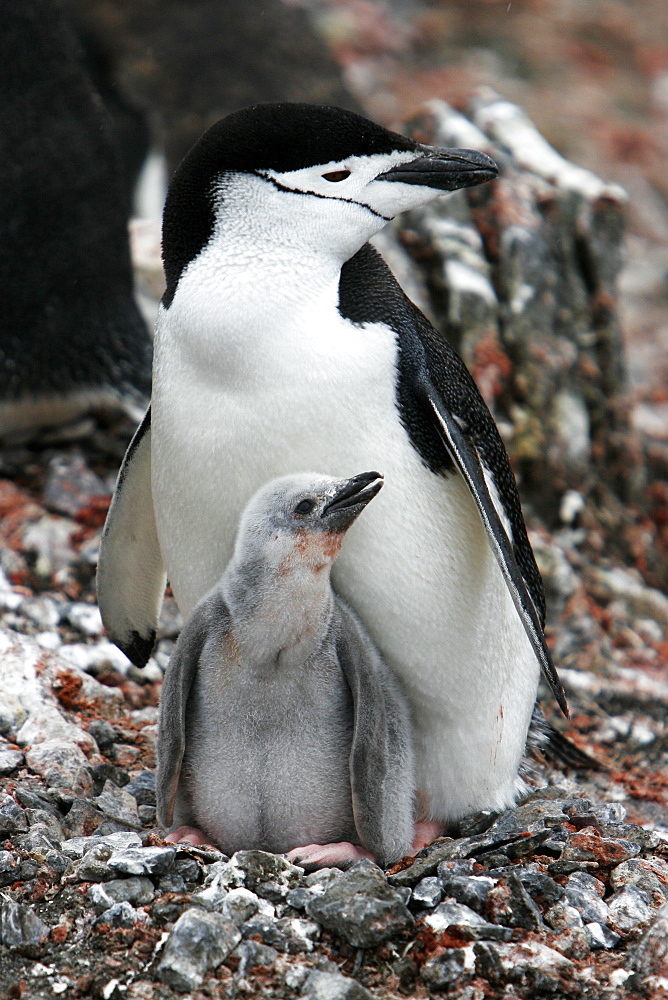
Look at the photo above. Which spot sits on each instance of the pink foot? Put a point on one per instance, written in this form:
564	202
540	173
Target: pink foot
314	856
425	832
190	835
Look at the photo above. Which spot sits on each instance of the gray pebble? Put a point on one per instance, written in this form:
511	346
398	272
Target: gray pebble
82	819
562	915
629	908
142	788
138	891
199	941
361	907
121	915
62	765
252	953
650	956
85	618
118	804
103	733
9	870
650	875
600	936
12	818
10	760
446	970
333	986
583	892
472	890
142	861
428	893
20	928
240	905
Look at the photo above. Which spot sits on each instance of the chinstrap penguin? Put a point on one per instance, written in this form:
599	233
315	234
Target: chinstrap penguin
284	343
281	729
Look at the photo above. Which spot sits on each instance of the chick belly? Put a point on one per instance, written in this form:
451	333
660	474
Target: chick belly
263	771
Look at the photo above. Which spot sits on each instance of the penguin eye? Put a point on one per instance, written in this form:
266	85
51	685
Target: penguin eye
304	506
336	175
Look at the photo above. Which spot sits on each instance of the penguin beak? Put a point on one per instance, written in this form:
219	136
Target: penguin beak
351	498
444	169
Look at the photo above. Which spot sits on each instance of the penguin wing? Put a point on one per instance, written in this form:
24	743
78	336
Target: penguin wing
179	677
381	758
130	576
460	443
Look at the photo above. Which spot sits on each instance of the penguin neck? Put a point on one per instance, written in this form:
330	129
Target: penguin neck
280	613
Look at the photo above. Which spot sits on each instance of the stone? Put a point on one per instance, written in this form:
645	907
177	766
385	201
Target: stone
446	970
103	733
650	955
85	618
648	874
9	871
142	788
584	892
21	929
446	850
361	907
292	935
541	887
472	890
121	915
77	847
333	986
449	914
138	890
562	915
118	804
12	818
142	861
427	893
47	819
240	905
268	875
630	908
529	964
93	866
62	765
252	954
521	909
10	760
600	936
198	942
82	819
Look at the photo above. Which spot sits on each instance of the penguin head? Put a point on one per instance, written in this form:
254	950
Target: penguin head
317	178
299	521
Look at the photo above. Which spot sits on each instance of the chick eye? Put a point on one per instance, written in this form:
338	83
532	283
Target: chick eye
304	506
336	175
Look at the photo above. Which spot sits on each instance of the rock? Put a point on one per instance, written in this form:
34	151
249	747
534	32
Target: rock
9	869
428	893
10	760
82	819
21	929
562	915
118	804
361	907
62	765
472	890
600	936
292	935
514	907
583	892
12	817
541	887
86	618
449	914
93	866
142	861
239	905
138	891
142	788
121	915
529	964
199	941
648	874
650	955
630	908
103	733
446	970
333	986
252	954
268	875
48	820
79	846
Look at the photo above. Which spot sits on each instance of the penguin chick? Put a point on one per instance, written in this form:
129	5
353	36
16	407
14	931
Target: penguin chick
281	728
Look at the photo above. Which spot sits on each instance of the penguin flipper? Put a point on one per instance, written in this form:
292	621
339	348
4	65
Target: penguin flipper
381	758
130	576
469	465
179	677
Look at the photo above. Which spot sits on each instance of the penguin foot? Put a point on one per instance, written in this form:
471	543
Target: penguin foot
315	856
190	835
424	832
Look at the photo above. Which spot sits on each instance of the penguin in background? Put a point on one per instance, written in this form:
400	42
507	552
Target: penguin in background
72	339
284	343
281	729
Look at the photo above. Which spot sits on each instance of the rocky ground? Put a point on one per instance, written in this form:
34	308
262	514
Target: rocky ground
564	895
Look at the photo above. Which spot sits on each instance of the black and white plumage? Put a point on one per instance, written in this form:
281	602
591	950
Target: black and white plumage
284	343
280	726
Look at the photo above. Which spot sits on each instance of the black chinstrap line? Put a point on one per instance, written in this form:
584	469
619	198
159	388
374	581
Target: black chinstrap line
316	194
